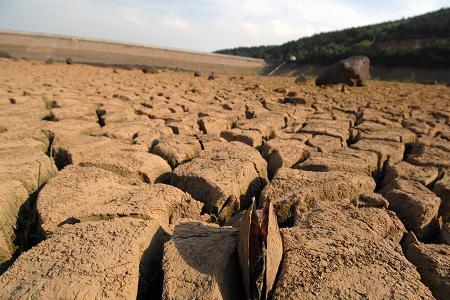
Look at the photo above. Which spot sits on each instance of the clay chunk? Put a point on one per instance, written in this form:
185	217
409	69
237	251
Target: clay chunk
291	189
200	262
391	152
404	170
415	205
283	153
12	196
220	172
76	190
23	163
433	263
176	149
92	260
137	165
333	253
345	160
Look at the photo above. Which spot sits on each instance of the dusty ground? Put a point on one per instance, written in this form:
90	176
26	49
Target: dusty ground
115	184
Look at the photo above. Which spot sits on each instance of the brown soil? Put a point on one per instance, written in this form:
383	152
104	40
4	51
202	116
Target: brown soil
117	184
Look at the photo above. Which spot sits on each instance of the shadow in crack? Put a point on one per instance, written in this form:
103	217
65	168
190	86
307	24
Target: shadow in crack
150	269
28	231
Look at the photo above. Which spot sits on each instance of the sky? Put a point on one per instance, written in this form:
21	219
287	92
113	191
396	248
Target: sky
201	24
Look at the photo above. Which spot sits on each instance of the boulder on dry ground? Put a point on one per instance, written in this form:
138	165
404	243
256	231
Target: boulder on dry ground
351	71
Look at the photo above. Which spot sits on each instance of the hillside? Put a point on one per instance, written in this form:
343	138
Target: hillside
421	41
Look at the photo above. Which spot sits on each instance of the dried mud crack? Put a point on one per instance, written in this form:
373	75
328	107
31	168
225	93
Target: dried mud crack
123	184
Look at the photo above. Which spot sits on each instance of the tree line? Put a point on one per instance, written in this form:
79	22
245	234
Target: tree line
421	41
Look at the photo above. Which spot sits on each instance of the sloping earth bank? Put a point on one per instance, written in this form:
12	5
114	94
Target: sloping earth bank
119	184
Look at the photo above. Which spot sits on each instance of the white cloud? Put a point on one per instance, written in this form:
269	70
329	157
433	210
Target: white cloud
135	19
281	28
250	27
176	23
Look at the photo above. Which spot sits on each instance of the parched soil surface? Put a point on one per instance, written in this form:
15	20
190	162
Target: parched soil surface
120	184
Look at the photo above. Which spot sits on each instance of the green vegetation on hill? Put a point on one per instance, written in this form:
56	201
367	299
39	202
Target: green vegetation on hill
421	41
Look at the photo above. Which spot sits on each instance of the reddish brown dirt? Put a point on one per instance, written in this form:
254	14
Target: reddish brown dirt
116	184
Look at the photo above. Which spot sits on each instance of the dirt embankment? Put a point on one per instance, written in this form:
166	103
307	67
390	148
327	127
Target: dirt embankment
84	50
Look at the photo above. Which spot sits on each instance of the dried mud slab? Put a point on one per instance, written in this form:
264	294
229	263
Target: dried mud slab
390	152
283	153
266	123
126	131
148	137
79	112
399	135
137	165
220	172
92	260
371	200
253	138
325	143
345	160
213	125
200	262
23	163
12	196
76	190
335	128
334	252
415	205
176	149
69	149
164	203
404	170
14	130
433	263
291	189
71	126
430	152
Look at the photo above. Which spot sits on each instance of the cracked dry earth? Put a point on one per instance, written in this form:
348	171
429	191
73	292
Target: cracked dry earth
115	184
